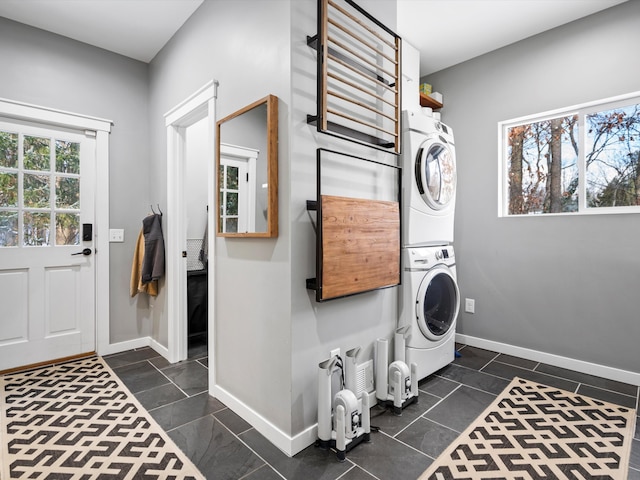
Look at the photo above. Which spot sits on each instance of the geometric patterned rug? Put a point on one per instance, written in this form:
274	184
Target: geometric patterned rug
77	421
532	431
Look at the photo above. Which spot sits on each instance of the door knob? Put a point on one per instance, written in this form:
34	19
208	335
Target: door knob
86	251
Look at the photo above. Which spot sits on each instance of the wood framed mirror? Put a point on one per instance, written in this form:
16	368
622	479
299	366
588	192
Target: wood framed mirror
247	171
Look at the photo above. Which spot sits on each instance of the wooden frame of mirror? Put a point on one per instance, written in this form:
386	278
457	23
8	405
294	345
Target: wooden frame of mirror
230	141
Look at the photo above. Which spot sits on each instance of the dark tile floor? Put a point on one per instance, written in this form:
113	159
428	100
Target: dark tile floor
224	446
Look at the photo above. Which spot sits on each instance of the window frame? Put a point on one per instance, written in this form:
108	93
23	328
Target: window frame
581	110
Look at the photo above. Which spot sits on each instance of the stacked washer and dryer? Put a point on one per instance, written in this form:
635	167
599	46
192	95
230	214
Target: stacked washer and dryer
429	300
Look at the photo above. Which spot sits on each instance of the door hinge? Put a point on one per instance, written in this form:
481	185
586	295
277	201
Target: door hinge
90	133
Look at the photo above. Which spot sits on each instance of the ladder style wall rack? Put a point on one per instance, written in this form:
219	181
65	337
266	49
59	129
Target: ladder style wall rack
359	70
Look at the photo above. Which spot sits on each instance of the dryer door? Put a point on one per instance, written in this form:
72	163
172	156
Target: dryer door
438	303
435	173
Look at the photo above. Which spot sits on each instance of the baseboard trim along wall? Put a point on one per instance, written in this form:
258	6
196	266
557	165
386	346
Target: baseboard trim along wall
611	373
142	342
288	444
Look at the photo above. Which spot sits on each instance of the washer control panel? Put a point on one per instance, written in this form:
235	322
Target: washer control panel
427	257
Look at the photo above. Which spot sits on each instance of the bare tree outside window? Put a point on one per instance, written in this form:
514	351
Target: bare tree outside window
542	166
613	170
553	167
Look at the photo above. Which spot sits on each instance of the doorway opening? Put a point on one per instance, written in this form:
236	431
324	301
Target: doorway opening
196	199
196	112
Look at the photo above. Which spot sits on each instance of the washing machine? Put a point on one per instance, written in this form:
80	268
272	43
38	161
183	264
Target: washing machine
429	180
429	303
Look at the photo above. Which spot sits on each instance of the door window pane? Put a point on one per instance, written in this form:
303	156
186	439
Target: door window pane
67	157
8	150
231	225
232	204
37	153
36	191
232	178
67	192
8	189
67	229
8	229
36	228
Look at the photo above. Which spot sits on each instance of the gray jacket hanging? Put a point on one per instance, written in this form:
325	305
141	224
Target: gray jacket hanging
153	261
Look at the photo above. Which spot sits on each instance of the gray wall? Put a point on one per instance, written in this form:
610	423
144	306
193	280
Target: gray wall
270	333
245	46
565	285
45	69
316	329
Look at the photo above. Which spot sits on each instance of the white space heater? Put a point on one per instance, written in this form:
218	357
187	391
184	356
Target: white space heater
349	424
396	383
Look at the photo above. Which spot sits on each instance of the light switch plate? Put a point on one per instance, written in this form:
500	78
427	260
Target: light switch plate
116	235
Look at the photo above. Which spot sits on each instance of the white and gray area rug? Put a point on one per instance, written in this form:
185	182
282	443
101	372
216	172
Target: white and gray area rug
77	421
533	431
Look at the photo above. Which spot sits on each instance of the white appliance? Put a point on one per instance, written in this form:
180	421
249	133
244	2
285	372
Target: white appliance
429	305
429	180
396	383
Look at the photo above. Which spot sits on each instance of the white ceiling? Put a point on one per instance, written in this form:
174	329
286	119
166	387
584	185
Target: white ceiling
134	28
446	32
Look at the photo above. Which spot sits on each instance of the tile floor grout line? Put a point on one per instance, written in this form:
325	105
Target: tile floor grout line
181	400
174	383
266	465
487	364
406	445
471	386
428	410
445	426
361	468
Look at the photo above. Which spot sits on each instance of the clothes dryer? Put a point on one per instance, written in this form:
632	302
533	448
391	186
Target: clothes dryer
429	180
429	304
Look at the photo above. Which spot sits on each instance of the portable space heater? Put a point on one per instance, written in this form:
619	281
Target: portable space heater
396	384
349	424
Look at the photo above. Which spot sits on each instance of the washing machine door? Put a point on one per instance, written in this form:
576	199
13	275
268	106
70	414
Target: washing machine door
435	172
437	303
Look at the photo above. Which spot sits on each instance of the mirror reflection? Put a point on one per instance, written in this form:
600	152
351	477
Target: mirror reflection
247	171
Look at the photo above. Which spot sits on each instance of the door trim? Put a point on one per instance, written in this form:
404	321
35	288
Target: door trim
198	106
58	118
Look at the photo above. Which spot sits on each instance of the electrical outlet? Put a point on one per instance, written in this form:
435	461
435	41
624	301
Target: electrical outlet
334	353
469	305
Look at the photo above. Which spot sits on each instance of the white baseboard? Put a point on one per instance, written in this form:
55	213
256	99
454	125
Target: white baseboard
288	444
159	348
142	342
624	376
112	348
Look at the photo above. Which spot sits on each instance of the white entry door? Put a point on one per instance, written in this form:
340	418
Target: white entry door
47	265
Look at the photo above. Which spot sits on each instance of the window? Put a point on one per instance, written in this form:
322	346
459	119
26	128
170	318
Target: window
39	190
580	160
236	187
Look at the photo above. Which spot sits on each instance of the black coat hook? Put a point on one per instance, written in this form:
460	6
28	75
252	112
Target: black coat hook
154	212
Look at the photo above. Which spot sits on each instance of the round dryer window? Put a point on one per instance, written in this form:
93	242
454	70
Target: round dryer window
436	173
437	303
